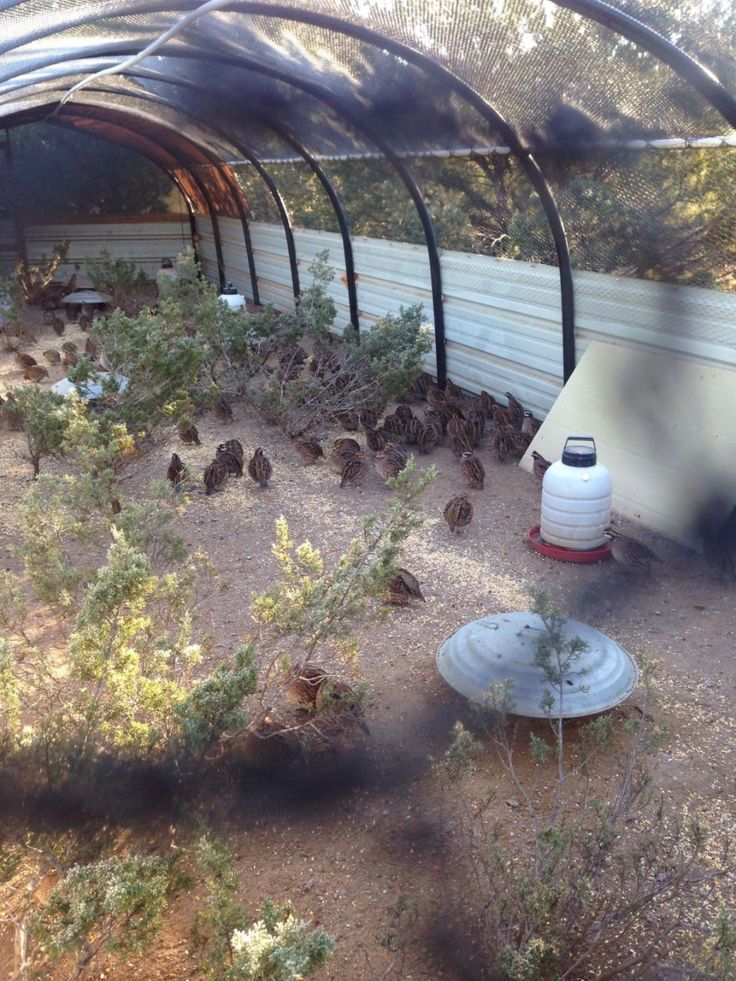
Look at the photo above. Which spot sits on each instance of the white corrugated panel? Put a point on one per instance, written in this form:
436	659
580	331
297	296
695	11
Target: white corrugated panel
502	317
146	242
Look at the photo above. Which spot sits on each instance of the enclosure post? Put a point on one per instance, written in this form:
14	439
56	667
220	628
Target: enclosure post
285	221
342	222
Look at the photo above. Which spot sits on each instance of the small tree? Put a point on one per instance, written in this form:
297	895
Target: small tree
128	286
394	348
36	280
312	607
43	423
610	885
112	906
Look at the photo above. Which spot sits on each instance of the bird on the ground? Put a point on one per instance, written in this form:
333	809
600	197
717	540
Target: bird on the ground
368	418
502	417
347	443
427	438
177	470
187	431
223	410
374	438
85	322
509	442
486	403
233	463
25	360
69	359
259	468
308	449
516	409
215	477
35	373
475	425
354	470
458	512
52	356
403	588
461	445
345	452
452	391
303	684
90	348
69	347
472	470
58	326
456	427
631	554
394	426
404	413
540	466
530	426
391	461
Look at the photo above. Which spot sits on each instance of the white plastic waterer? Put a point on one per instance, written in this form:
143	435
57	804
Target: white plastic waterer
576	497
231	297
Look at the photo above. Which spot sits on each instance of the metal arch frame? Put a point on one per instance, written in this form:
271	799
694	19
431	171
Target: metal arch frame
683	64
407	178
288	137
486	111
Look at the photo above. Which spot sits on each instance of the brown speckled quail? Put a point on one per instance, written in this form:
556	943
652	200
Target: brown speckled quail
472	470
52	356
403	588
530	426
215	477
458	512
354	470
516	409
177	470
541	466
303	684
25	361
259	468
631	554
188	432
308	449
35	373
427	438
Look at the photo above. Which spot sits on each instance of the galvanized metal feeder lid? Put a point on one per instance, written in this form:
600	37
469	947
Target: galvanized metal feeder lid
86	296
502	647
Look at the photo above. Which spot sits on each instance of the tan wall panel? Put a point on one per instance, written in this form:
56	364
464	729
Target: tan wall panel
664	429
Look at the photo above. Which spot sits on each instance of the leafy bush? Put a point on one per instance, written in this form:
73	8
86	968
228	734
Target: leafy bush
395	347
43	423
112	906
128	287
277	947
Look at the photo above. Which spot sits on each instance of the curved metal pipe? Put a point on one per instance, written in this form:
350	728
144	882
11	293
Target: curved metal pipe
288	137
683	64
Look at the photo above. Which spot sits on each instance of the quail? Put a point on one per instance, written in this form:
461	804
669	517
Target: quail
458	512
215	477
472	470
177	470
630	553
541	466
259	468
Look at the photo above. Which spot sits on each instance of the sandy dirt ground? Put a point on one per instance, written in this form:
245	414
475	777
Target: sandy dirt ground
347	848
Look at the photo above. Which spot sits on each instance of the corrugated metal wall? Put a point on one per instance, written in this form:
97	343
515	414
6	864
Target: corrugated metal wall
502	318
146	240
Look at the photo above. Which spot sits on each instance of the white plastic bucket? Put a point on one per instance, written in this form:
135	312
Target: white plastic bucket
576	497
